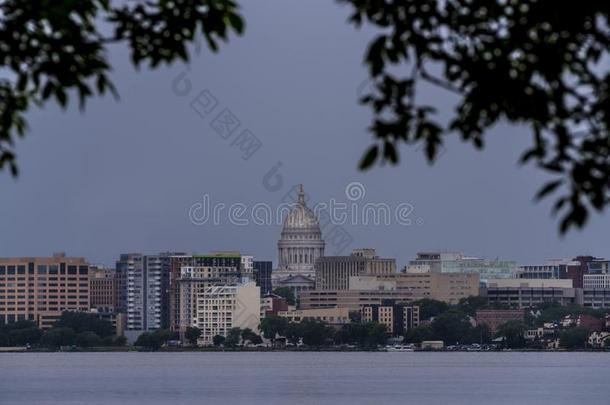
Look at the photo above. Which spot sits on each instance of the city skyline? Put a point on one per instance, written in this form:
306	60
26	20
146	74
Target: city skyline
122	176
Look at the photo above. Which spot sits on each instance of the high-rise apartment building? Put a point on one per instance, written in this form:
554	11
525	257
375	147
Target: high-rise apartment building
221	308
333	272
39	289
146	289
190	274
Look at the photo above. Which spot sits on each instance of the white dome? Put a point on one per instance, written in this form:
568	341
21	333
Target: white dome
301	217
301	241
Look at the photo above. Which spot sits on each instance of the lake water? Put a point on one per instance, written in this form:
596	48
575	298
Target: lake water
304	378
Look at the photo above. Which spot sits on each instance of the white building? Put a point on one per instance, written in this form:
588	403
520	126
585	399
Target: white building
300	244
194	280
455	262
221	308
247	267
596	281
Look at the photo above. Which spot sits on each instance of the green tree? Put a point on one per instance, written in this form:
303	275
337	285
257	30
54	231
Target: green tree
87	339
57	337
501	61
218	340
272	326
366	335
63	51
22	336
233	337
419	334
286	293
376	334
192	334
513	334
154	340
520	64
574	338
469	305
84	322
429	308
479	334
248	335
119	341
316	333
19	333
451	326
294	332
256	340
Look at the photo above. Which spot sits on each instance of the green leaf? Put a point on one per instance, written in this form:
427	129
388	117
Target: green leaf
389	152
548	188
369	158
237	23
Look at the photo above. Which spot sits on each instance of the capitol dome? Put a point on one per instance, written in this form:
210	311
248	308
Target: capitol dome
301	242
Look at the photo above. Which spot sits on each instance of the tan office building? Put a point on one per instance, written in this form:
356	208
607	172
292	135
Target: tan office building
39	289
333	272
332	316
103	289
352	299
447	287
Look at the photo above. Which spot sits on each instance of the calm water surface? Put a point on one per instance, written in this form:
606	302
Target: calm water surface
304	378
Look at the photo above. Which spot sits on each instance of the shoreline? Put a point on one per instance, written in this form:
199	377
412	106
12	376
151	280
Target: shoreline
269	350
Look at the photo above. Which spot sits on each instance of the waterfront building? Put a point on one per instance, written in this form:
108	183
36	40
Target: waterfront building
147	285
176	263
103	289
493	318
455	262
352	299
143	286
528	293
332	316
300	243
215	268
398	318
333	272
39	289
271	304
220	271
262	275
221	308
446	287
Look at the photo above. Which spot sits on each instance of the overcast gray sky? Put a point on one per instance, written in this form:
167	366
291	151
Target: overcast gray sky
122	176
